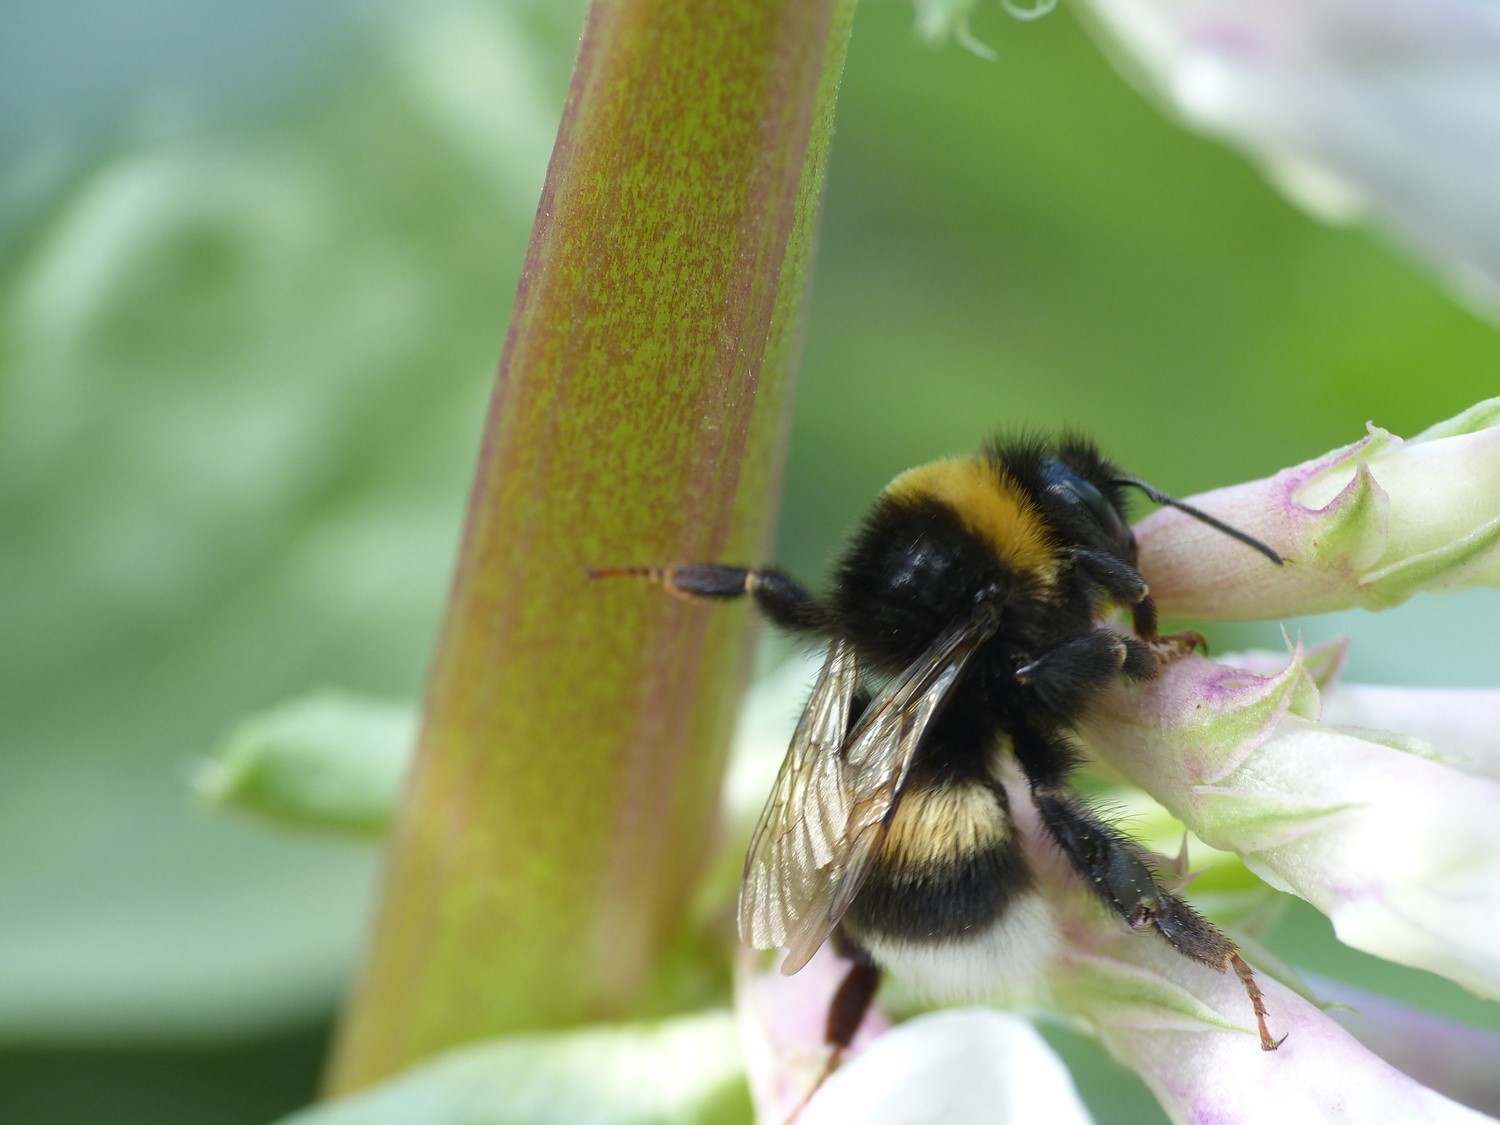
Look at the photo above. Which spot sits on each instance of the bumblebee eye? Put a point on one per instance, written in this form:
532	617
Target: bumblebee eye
1081	495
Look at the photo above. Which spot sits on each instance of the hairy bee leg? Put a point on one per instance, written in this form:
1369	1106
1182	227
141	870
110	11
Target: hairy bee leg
776	593
1120	875
1174	646
1168	648
1113	574
1121	581
1065	676
1143	617
1257	1000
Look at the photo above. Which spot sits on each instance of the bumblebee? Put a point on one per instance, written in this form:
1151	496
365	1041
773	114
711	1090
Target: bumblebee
966	623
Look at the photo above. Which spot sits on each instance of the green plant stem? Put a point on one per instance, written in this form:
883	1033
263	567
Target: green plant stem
562	801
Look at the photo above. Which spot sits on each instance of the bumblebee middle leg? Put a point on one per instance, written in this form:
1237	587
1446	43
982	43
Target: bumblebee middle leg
1067	675
1120	875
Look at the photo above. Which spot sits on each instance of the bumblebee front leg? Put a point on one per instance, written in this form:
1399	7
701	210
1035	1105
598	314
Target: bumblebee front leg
1120	875
1124	584
777	595
1173	646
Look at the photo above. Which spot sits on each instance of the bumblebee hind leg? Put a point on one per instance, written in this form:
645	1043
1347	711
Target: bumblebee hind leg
1119	873
853	997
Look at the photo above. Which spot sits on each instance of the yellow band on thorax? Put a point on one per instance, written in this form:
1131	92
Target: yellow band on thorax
991	505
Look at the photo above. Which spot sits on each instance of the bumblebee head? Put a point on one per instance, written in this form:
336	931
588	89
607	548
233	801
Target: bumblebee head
1086	495
1093	515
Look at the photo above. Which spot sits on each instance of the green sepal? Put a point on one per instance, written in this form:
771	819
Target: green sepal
1355	525
1244	712
1324	662
1481	416
1444	567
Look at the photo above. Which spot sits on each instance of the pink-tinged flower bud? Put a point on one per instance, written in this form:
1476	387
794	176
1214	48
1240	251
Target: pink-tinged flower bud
1368	525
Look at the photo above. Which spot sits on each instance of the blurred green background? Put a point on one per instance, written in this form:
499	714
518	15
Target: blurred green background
257	261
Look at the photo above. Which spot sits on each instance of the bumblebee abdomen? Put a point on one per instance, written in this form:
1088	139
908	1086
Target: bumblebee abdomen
951	865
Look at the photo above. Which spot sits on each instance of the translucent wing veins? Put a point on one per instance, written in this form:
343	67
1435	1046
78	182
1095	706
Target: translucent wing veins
833	799
802	827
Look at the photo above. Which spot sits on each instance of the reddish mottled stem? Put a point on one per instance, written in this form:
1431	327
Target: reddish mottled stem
574	732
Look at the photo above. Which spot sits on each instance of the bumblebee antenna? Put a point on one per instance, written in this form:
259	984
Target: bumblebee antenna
1160	497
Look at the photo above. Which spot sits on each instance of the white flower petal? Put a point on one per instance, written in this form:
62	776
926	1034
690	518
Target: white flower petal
1400	851
1459	725
954	1067
1454	1059
1385	108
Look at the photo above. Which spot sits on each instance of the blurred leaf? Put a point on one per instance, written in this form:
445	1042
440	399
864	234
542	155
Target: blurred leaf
332	761
242	377
684	1071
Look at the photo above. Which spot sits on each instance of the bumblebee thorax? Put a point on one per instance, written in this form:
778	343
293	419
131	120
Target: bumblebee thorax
989	504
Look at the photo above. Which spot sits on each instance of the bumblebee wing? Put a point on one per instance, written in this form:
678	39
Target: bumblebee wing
859	788
800	833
